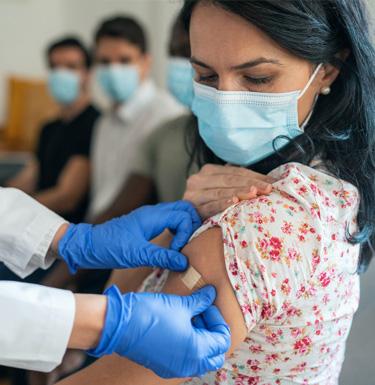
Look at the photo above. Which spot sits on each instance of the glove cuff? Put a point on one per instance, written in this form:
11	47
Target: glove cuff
76	246
116	316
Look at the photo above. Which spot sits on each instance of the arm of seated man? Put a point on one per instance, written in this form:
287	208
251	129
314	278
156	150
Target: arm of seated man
71	186
206	255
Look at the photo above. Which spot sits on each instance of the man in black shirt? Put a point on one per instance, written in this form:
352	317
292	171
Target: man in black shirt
58	176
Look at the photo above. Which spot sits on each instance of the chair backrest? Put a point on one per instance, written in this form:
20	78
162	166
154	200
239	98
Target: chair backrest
29	106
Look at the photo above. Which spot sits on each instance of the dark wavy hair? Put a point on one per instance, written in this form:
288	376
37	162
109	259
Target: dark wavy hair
341	130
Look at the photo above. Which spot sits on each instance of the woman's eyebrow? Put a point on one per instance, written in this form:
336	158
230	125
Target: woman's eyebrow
256	62
249	64
193	60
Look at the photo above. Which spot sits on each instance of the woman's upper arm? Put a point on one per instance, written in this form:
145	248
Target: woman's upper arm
206	255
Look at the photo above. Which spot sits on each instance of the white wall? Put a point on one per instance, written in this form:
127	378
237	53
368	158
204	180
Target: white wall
26	26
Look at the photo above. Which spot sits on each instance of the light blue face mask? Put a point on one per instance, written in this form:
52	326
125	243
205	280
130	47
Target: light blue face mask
180	80
64	85
119	81
241	127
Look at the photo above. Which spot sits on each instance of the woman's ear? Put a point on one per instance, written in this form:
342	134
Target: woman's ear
332	72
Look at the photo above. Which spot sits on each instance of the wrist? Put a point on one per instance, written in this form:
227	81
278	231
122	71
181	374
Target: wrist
89	321
74	247
116	315
58	236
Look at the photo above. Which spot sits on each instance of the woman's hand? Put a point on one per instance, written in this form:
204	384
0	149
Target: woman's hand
215	188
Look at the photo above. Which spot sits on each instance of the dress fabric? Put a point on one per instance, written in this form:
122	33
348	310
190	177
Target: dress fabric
293	272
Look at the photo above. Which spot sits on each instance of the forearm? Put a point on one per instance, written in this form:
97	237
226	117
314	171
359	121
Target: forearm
88	321
115	370
57	199
20	183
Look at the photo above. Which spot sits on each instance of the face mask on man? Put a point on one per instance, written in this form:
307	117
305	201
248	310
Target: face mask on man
180	78
240	127
64	85
119	81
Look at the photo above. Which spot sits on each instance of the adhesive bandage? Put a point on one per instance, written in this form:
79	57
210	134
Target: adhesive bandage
192	279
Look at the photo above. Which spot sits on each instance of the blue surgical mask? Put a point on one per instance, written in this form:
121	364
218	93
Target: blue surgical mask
119	81
180	80
64	85
241	127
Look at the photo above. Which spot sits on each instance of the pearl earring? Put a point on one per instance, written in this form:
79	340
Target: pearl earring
326	91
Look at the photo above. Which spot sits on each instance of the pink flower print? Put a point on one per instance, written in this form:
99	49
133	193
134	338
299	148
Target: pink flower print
302	190
244	244
325	299
295	332
266	311
296	180
324	279
221	375
253	365
315	258
270	358
303	345
263	244
253	381
290	310
285	287
233	267
287	228
256	349
275	255
292	254
275	243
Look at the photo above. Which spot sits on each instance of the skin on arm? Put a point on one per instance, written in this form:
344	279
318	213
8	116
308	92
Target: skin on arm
206	255
71	187
26	179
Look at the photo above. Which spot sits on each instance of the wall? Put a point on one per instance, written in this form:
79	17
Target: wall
28	25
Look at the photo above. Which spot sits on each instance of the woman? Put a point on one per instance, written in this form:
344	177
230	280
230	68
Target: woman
284	266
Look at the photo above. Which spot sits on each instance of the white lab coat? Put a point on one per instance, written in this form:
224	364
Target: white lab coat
35	321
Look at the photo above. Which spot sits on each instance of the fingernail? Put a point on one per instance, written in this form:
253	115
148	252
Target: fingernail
235	199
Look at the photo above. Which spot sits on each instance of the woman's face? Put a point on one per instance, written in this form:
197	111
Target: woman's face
230	54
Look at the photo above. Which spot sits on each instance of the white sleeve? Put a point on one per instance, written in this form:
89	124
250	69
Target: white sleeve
26	232
35	325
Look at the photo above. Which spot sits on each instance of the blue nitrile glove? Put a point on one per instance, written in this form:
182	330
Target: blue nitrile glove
124	242
156	331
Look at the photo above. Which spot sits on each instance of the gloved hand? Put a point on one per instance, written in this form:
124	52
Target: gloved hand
156	331
124	242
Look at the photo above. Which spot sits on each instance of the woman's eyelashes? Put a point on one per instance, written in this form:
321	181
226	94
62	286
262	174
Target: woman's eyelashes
247	81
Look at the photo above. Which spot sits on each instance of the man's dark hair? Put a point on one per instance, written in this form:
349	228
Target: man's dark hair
123	27
70	42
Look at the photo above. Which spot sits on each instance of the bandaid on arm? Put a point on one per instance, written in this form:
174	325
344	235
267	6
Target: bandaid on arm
192	279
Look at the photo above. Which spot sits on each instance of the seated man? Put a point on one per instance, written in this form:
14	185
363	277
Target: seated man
138	107
59	174
162	161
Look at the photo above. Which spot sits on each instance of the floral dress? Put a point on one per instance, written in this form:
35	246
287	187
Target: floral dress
293	272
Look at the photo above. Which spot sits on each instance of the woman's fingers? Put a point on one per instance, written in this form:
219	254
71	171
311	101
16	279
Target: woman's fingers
218	181
202	197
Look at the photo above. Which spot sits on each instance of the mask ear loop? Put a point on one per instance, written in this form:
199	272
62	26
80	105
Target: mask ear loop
312	78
